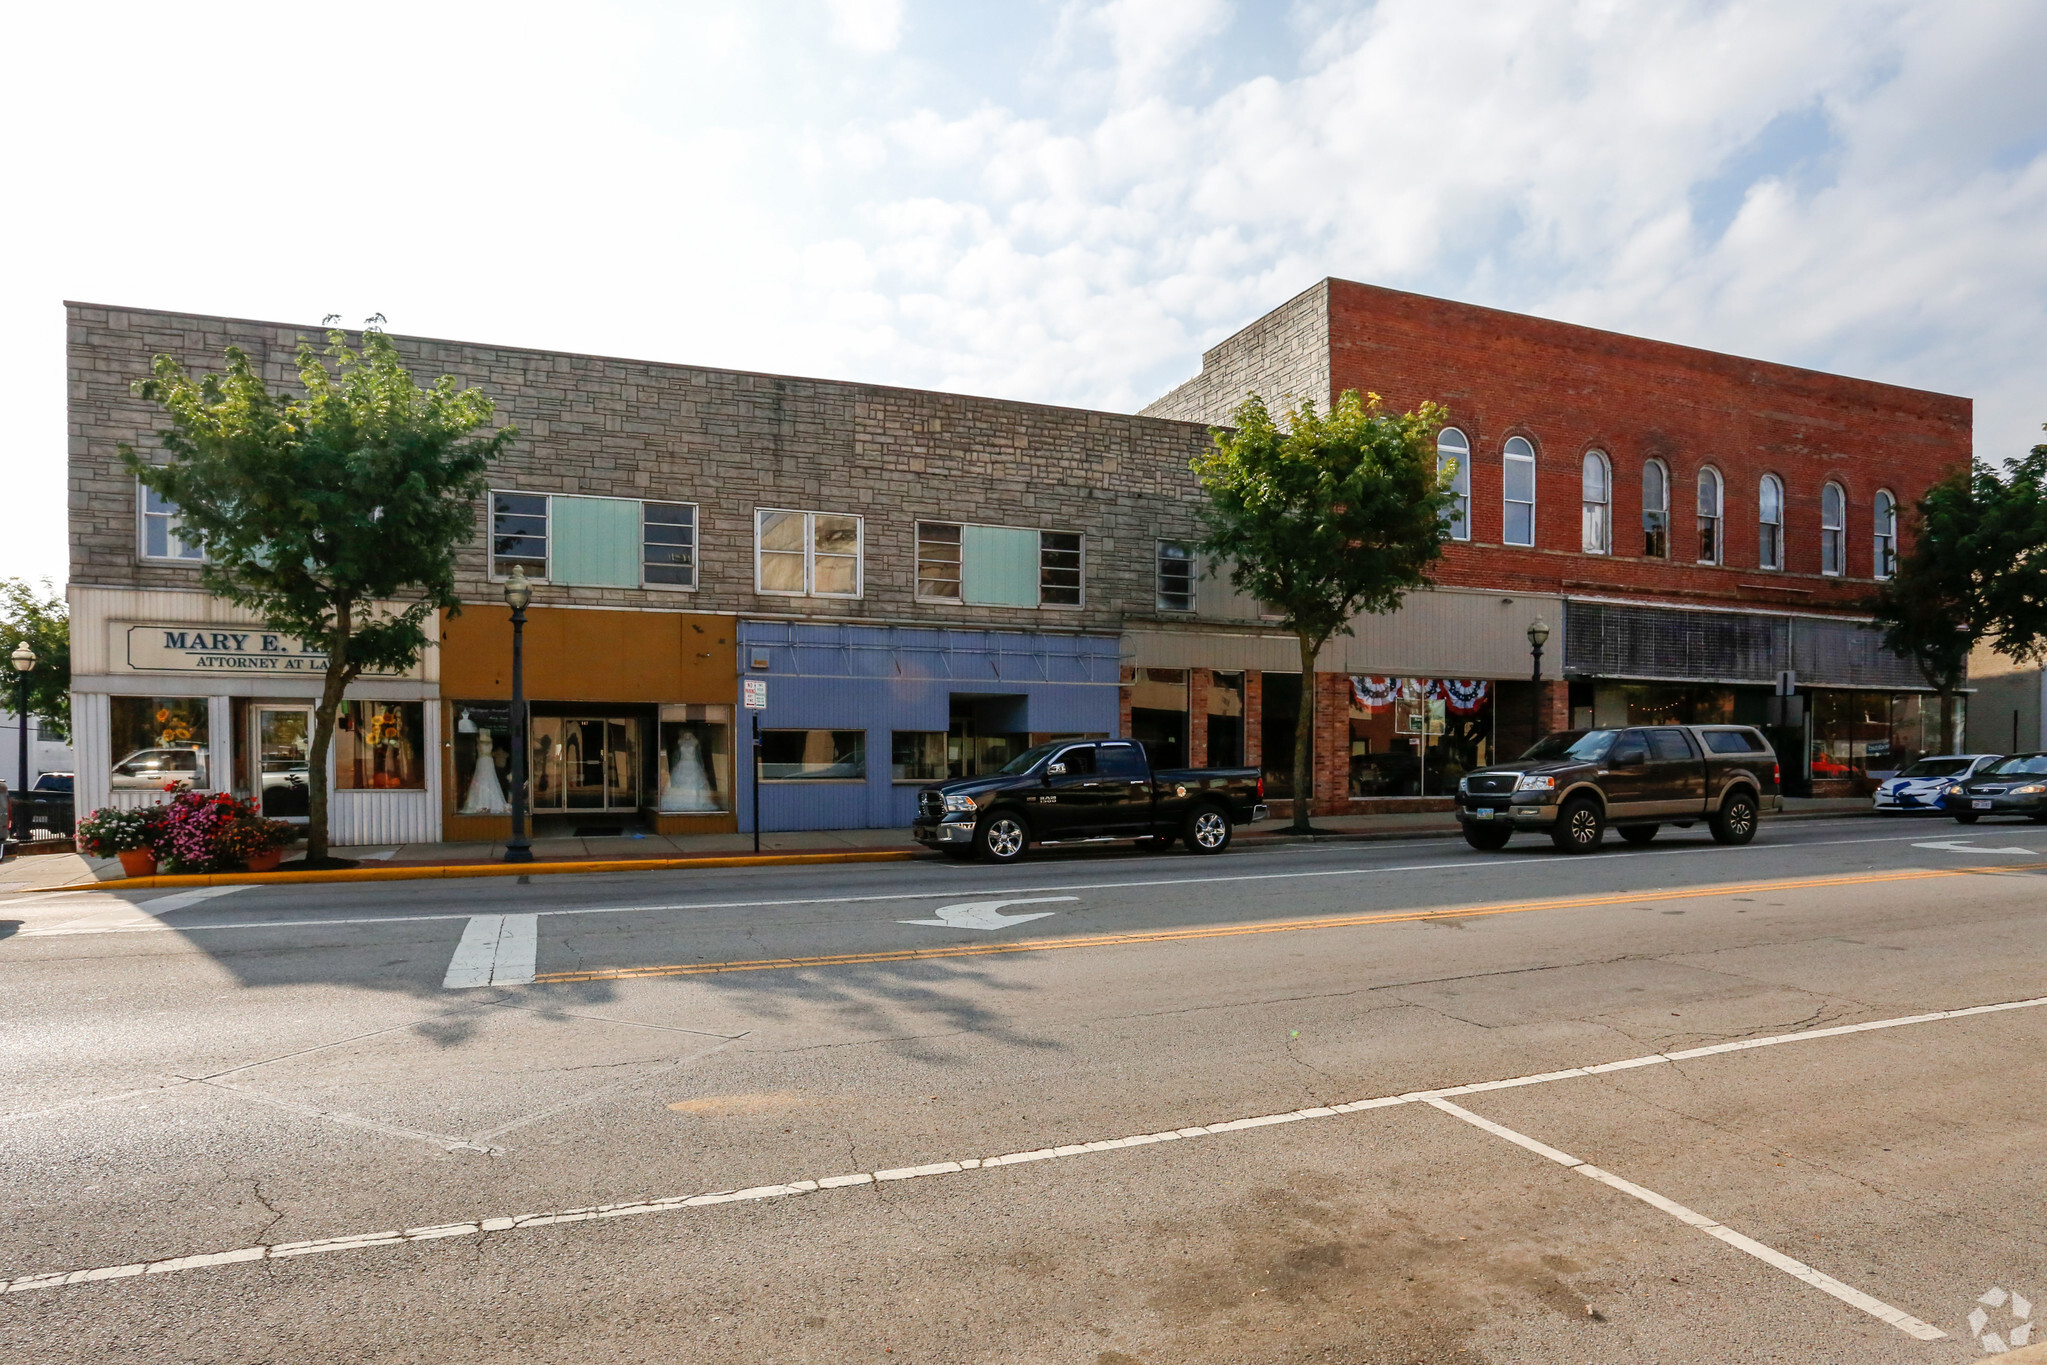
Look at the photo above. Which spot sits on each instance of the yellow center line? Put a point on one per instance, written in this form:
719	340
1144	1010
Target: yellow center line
1136	936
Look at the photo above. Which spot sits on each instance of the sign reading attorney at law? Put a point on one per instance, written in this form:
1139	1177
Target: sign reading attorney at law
224	649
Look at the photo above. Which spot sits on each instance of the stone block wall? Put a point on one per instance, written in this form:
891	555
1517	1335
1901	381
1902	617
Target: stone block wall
1283	357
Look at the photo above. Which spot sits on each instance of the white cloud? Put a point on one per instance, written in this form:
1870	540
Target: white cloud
866	25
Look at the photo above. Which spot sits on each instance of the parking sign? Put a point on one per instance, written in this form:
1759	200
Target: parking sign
755	691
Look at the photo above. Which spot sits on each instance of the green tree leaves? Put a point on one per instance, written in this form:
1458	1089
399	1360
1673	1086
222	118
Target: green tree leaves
41	617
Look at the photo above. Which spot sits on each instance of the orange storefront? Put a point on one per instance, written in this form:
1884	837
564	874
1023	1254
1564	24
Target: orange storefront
630	715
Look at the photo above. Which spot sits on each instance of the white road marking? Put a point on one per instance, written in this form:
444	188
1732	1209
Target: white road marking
1798	1269
356	1241
988	915
496	950
1956	846
179	900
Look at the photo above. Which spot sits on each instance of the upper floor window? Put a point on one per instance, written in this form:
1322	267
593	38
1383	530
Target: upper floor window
1598	503
1452	449
1176	576
518	533
1770	523
160	526
806	554
1833	530
1058	569
938	561
1517	521
997	566
1655	510
1711	505
1886	533
668	544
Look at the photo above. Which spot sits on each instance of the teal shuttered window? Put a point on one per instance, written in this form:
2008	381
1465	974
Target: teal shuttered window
593	542
997	566
1000	567
597	542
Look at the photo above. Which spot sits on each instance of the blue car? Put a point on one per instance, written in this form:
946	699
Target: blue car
1926	785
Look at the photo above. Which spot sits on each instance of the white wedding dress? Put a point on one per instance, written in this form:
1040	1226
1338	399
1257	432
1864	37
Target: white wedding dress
689	788
486	796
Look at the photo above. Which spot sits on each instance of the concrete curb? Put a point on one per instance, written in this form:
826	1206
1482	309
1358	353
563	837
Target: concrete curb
1368	836
408	874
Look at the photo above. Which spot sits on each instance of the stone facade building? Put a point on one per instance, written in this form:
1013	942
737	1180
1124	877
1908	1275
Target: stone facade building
927	582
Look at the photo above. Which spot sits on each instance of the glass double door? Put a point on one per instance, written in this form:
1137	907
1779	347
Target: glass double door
584	764
282	738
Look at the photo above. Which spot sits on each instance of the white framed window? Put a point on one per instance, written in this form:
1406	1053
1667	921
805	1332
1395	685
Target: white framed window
668	544
1517	512
1175	576
518	534
806	554
160	524
940	557
1059	569
1712	503
1453	449
1770	522
1833	531
1655	510
1886	507
1597	504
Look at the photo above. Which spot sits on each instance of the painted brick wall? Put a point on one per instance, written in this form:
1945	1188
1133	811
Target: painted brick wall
726	440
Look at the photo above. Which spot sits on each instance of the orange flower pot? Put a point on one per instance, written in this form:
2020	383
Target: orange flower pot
266	861
137	862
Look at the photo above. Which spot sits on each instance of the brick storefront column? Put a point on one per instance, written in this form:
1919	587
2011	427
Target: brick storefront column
1123	702
1254	712
1332	744
1198	680
1554	708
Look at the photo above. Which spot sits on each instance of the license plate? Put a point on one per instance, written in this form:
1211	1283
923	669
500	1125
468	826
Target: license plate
1979	805
1483	813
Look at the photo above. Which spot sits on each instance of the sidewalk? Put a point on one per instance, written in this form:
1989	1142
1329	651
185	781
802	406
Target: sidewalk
71	869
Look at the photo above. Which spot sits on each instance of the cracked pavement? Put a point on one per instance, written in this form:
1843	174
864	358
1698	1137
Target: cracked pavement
254	1074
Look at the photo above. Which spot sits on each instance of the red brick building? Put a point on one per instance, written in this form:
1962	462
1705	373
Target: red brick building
1701	522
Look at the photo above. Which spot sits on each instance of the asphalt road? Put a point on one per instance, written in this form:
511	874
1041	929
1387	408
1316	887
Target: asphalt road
371	1122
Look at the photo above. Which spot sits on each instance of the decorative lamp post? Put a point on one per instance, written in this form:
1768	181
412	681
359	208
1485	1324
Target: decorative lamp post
1538	635
518	592
24	660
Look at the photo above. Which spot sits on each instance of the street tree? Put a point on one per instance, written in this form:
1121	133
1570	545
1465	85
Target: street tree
40	616
1326	518
1975	572
334	515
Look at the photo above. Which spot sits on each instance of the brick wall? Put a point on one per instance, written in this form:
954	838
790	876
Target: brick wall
1198	682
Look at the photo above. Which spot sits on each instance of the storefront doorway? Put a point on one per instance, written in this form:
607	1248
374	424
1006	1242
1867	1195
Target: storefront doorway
586	763
281	737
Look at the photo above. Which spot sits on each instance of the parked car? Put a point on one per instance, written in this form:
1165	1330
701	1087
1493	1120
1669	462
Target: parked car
2014	785
1926	785
1573	784
49	804
1083	791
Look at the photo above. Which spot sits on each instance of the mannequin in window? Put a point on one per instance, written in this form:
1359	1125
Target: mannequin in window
689	788
485	796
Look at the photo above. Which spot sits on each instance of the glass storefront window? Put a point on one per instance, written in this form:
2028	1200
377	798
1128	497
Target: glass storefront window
1158	715
483	757
916	756
378	746
1225	720
813	755
696	759
584	763
1417	736
158	741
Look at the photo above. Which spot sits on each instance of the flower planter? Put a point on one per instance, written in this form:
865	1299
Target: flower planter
266	861
137	862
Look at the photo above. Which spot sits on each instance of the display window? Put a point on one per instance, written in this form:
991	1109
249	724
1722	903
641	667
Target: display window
1158	715
1225	720
483	757
159	741
917	756
696	759
378	746
1417	736
813	755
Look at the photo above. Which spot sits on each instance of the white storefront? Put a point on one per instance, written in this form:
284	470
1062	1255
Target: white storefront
172	687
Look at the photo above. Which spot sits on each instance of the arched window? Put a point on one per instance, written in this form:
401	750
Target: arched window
1770	523
1886	533
1711	504
1453	449
1655	510
1833	530
1598	499
1517	516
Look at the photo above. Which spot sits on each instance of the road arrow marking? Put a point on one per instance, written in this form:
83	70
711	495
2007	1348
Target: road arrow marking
1955	846
988	914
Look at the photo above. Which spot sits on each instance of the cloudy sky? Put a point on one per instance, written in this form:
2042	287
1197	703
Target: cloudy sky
1060	200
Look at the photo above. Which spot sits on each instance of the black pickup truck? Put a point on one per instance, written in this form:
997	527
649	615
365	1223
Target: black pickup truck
47	803
1083	791
1573	784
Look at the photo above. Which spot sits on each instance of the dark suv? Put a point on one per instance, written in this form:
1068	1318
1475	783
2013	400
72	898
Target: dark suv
1575	783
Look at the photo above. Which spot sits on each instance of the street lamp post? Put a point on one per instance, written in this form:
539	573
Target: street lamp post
518	592
1538	635
24	660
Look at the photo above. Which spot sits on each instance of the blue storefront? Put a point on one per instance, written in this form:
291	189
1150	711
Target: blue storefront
859	717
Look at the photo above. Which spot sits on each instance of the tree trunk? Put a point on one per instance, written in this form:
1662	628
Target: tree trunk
336	682
1304	737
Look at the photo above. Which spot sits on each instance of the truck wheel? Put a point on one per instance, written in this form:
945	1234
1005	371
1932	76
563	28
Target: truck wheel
1966	817
1001	838
1735	821
1579	826
1208	830
1640	834
1487	838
